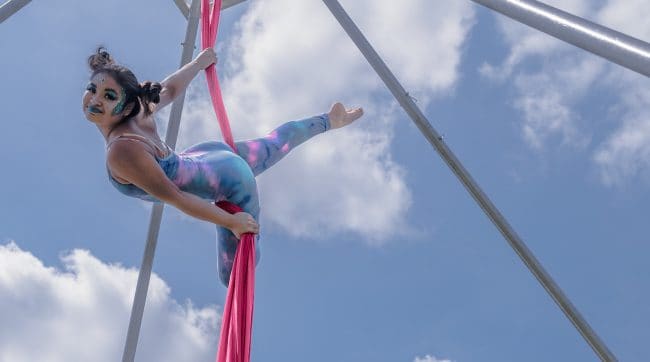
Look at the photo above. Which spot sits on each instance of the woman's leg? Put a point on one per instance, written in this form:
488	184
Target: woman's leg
244	194
227	248
260	154
264	152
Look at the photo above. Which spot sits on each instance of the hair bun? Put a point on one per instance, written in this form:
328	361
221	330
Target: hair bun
101	59
151	92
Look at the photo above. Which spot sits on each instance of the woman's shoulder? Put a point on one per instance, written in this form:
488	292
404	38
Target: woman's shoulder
117	151
130	161
147	139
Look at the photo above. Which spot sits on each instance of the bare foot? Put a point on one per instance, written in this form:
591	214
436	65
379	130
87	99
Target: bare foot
340	117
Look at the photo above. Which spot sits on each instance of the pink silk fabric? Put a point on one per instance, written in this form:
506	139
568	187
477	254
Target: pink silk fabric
237	319
209	26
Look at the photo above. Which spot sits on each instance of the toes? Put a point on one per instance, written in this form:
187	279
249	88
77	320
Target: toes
355	114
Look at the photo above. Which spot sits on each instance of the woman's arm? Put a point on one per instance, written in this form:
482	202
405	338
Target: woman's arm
176	83
130	161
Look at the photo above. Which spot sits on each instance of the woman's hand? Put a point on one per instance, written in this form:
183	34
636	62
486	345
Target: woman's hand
244	223
206	58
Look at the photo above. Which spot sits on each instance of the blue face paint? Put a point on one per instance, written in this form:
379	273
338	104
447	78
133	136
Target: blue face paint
120	105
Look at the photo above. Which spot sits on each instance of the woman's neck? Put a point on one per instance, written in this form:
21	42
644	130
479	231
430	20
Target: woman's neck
137	124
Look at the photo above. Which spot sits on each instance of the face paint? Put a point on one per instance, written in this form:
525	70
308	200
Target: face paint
120	105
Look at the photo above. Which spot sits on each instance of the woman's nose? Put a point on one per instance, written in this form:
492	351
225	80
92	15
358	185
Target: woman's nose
94	100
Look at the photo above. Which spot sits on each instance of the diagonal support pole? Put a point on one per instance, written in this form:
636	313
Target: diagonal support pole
11	7
466	179
612	45
140	297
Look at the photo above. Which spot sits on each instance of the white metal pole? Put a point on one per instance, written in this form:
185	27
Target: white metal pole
185	10
11	7
140	297
466	179
612	45
183	7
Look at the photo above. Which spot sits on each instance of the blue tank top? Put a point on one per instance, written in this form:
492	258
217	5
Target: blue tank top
210	170
169	165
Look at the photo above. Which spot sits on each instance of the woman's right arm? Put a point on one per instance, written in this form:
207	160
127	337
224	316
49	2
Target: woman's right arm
176	83
130	161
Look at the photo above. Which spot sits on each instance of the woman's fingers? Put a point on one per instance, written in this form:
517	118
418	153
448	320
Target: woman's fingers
207	57
253	226
247	224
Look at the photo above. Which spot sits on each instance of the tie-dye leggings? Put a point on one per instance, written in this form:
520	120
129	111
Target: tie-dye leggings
260	154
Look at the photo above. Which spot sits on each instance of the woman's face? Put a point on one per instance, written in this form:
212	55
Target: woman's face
103	100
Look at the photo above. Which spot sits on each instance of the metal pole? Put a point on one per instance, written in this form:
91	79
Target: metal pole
140	297
183	7
11	7
472	187
185	10
612	45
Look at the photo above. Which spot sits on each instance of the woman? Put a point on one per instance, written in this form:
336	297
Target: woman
141	165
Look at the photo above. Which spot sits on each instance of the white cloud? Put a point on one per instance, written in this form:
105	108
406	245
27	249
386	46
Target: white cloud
626	153
547	99
429	358
289	60
81	313
628	16
550	93
526	41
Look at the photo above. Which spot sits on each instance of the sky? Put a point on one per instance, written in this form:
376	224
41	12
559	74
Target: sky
371	248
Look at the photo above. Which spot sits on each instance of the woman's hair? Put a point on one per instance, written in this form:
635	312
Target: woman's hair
147	92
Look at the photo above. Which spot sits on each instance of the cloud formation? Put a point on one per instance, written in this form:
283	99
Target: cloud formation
429	358
81	313
549	93
288	60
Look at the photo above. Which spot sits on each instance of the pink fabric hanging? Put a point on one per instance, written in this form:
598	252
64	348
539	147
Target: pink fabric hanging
237	319
209	26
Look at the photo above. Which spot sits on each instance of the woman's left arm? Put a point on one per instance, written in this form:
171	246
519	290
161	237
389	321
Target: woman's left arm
176	83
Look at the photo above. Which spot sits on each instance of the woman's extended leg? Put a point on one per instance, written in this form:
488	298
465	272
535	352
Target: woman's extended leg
264	152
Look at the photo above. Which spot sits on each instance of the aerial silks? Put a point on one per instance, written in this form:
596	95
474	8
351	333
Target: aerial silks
237	318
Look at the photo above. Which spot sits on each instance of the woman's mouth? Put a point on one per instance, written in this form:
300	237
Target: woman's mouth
95	110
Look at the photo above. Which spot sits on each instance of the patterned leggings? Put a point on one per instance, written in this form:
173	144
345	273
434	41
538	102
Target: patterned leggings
260	154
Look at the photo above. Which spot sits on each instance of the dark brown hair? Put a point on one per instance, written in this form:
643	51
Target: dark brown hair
147	92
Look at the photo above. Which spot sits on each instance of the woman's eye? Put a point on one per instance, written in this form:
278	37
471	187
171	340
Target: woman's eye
111	97
90	88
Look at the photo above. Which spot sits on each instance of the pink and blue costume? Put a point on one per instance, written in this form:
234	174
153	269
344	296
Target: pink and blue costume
213	171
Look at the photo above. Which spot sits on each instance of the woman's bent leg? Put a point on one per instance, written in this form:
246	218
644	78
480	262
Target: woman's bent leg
226	249
264	152
244	195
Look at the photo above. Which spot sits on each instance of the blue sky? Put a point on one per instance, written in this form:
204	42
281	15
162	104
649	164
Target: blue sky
372	250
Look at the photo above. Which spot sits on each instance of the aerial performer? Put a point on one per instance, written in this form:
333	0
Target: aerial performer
141	165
